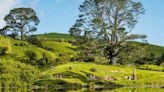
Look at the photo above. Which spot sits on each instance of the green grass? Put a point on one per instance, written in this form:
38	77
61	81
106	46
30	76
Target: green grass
81	70
55	44
5	42
151	67
18	49
59	47
56	36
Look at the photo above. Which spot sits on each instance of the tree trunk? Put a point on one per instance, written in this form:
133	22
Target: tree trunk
113	60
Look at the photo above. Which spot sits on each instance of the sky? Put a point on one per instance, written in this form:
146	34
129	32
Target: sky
59	15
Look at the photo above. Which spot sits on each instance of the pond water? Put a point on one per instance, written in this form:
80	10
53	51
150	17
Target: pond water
88	90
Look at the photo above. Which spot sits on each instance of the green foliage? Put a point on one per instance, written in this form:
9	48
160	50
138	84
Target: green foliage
34	40
23	20
110	26
160	60
16	74
132	54
3	51
31	56
5	45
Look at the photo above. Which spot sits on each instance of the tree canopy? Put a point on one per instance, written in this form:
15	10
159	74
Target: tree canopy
110	22
23	20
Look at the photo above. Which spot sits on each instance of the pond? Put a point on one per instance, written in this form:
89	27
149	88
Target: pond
88	90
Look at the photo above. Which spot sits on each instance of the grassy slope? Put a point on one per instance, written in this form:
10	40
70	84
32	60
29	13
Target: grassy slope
59	47
56	36
18	51
58	43
80	71
157	50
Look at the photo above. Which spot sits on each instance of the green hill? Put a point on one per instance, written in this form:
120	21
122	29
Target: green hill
58	49
156	50
18	48
56	36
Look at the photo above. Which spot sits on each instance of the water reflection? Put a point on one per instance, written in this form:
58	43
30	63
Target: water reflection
87	90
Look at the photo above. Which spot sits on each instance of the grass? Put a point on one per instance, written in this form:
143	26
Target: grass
55	44
152	67
156	50
5	42
59	47
81	71
18	49
56	36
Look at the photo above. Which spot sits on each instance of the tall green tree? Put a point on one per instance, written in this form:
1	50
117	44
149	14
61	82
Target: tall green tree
110	22
22	20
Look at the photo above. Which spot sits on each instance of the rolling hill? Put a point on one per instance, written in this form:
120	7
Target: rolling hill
58	48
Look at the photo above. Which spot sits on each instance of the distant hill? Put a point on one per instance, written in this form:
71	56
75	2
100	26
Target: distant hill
56	36
150	48
157	50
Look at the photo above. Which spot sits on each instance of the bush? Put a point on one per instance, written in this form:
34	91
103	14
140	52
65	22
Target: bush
20	44
31	56
5	45
16	74
93	70
3	50
64	58
34	40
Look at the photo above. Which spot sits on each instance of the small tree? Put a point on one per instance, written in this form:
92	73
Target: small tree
23	20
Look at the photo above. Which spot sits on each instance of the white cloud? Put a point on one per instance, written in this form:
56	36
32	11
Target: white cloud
5	7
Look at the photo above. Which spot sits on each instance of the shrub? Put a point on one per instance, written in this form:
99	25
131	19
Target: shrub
3	50
20	44
31	56
93	70
5	45
16	74
64	58
34	40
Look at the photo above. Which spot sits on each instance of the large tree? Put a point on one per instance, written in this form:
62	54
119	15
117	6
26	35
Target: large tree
22	20
110	22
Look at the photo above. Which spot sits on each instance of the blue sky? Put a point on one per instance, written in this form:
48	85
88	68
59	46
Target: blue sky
60	15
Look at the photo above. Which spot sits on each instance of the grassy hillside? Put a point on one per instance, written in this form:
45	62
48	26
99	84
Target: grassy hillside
80	72
18	49
56	36
5	43
58	48
157	50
